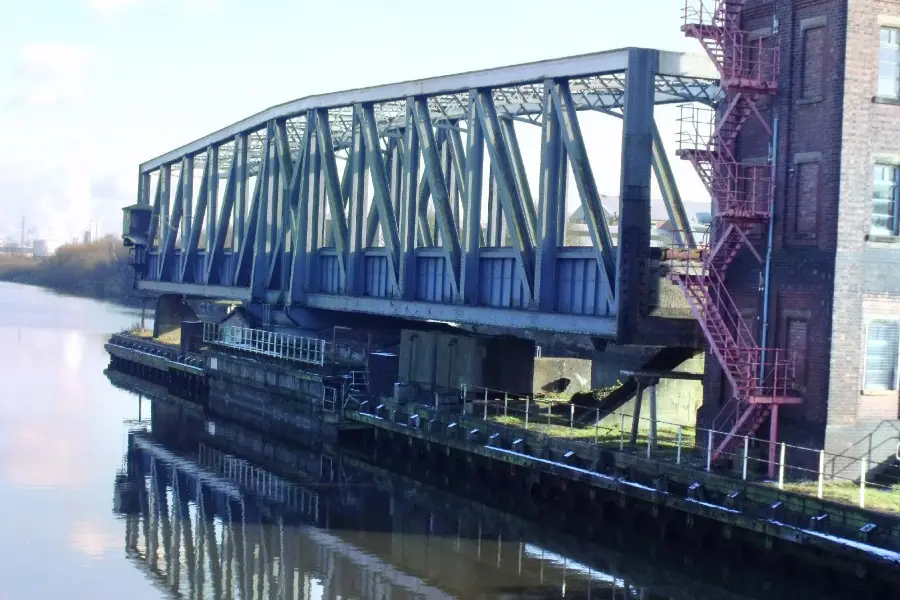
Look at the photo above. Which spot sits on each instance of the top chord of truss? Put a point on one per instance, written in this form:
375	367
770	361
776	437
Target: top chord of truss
597	82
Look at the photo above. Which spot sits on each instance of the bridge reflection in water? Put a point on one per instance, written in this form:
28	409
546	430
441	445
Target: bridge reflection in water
214	509
218	527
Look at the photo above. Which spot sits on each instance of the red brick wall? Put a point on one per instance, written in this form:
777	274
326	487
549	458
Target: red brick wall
864	269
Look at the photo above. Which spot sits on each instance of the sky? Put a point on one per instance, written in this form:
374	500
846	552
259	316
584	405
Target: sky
91	88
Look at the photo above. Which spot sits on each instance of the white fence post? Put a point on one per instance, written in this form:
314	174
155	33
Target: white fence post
821	474
485	404
571	416
709	440
746	455
781	467
527	410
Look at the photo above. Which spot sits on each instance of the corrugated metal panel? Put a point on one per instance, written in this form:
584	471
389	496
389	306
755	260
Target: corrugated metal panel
229	264
177	261
499	283
433	279
152	266
200	266
329	272
578	286
377	275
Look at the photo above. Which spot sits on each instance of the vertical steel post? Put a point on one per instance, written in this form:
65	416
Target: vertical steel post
622	432
862	482
571	416
709	440
485	404
505	404
678	451
597	427
464	398
746	455
527	410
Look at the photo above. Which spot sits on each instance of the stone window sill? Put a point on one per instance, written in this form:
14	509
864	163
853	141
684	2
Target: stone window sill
879	393
886	100
883	239
811	100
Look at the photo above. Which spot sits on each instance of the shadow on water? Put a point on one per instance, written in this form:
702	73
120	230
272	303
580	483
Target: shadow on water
216	509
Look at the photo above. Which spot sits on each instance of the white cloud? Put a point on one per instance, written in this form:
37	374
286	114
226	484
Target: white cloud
48	74
113	7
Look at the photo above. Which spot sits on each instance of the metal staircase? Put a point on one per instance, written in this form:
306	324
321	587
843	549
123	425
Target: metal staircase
760	378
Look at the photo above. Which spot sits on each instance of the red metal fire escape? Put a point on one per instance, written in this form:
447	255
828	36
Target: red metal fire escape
760	378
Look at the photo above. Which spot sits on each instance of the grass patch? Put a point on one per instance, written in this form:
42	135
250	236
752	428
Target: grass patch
171	338
666	437
847	492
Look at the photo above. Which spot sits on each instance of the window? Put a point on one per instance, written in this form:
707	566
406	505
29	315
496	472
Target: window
882	345
886	200
813	58
889	63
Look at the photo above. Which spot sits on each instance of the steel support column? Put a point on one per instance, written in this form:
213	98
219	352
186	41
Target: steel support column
212	191
355	281
215	253
410	213
474	166
634	197
187	198
240	192
190	251
549	202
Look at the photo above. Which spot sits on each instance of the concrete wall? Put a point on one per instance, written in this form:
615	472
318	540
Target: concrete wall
171	310
677	400
548	372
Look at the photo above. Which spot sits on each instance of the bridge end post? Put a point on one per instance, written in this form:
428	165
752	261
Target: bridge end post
634	197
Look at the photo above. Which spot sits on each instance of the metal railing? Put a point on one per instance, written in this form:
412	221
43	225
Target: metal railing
529	425
269	343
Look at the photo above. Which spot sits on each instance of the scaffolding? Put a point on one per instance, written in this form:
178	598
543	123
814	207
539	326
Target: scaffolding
761	378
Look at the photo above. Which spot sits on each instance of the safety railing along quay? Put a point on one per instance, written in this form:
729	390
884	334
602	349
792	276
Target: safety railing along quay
515	422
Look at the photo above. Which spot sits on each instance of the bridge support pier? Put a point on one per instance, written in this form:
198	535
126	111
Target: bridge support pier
171	310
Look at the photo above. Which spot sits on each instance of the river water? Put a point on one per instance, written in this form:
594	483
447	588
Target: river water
108	491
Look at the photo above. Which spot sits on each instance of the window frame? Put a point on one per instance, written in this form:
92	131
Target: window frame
895	386
894	230
887	47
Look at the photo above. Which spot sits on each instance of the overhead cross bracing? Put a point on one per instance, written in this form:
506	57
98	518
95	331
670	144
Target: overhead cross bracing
361	199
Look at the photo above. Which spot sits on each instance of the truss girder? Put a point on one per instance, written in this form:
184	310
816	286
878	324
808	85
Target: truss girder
380	200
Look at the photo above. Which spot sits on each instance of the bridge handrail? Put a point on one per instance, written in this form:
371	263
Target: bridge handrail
269	343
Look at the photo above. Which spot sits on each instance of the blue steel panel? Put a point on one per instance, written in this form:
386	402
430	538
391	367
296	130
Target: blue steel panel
433	281
177	261
199	266
152	266
579	289
377	276
228	265
499	280
329	272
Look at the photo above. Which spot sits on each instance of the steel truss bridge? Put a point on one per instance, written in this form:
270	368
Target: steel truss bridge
411	200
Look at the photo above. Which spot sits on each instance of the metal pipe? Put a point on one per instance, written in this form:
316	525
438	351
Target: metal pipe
767	271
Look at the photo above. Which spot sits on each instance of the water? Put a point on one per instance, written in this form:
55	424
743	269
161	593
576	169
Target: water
85	517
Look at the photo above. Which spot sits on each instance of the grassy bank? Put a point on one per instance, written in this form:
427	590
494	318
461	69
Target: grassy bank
96	270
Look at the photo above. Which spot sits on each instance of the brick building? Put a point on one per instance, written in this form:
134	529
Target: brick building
834	293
